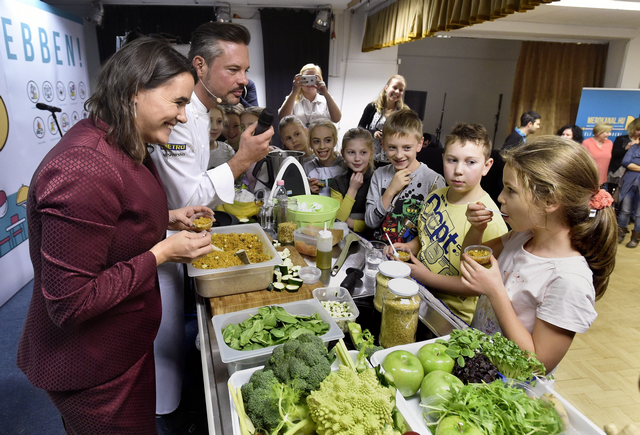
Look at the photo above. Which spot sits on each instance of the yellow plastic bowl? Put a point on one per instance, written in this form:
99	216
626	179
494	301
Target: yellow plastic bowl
327	214
241	210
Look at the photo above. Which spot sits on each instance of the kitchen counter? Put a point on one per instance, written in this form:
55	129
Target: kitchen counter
436	320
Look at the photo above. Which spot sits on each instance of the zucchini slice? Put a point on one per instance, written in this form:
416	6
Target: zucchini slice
292	288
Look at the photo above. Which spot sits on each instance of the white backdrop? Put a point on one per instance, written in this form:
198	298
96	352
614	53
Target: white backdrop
42	60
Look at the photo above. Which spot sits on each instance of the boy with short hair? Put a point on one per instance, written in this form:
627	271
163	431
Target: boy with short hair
442	224
398	190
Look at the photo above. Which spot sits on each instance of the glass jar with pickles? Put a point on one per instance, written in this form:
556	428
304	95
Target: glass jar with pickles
400	310
387	271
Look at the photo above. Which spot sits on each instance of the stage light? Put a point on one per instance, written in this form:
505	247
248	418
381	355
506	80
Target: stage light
97	14
222	12
322	21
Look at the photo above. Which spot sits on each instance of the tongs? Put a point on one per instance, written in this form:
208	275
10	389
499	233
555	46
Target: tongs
351	237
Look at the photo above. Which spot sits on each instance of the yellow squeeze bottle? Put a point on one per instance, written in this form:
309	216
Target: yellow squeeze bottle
324	246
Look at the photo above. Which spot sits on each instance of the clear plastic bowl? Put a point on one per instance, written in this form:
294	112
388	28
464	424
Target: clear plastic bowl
339	294
309	275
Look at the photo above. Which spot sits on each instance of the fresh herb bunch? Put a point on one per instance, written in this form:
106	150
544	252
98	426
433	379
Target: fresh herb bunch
511	361
498	409
477	369
272	325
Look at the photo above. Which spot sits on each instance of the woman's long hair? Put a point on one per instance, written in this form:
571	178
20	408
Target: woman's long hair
381	101
142	64
559	171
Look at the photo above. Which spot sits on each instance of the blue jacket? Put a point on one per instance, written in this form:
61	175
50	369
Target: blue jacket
630	177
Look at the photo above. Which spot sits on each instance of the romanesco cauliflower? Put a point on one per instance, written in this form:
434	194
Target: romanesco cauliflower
350	403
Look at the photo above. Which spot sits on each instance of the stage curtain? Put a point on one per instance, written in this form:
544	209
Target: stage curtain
549	80
408	20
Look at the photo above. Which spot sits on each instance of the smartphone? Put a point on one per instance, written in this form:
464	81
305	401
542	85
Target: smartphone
308	80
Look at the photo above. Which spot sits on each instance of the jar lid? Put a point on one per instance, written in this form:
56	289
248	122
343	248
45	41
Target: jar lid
394	269
403	287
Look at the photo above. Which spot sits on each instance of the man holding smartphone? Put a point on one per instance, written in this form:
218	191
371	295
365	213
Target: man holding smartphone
310	99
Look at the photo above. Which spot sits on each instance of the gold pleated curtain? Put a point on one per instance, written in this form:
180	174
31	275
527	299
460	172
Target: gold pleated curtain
549	80
409	20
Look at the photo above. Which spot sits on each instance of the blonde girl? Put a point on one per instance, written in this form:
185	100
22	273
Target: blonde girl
351	187
323	137
556	261
219	152
294	135
390	99
308	101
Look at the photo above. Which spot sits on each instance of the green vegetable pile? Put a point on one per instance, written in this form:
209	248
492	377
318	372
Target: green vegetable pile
272	325
511	361
498	409
274	397
296	393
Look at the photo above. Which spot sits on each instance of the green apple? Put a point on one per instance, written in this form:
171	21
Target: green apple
433	357
438	383
406	370
454	425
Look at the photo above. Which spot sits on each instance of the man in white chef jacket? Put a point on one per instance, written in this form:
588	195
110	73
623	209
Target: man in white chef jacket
219	54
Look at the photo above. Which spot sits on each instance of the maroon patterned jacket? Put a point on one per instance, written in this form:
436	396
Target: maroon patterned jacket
93	215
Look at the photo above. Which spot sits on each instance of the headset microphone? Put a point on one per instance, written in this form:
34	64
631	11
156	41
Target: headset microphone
218	99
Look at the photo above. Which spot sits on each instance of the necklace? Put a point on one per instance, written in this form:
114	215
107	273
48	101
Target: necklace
307	115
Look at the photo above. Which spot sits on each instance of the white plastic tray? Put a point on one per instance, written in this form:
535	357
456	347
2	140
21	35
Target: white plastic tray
579	423
242	377
242	359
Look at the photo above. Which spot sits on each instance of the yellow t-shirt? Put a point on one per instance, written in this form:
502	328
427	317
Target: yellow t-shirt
442	228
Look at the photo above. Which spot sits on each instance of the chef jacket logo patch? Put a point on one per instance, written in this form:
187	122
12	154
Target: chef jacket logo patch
176	147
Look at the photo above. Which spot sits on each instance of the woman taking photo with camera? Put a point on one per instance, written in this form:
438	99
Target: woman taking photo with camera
310	99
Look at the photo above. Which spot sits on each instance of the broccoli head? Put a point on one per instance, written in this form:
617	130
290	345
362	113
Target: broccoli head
301	363
260	399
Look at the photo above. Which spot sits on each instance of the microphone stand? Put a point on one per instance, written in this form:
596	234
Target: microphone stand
495	128
56	120
439	129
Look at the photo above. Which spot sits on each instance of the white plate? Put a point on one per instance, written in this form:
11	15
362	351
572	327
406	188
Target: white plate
242	377
579	423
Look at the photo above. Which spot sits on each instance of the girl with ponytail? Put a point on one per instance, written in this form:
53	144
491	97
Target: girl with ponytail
556	261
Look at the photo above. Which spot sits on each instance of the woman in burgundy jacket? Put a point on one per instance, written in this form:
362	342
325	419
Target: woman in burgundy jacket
97	216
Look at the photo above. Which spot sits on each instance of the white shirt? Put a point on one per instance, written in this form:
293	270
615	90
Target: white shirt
309	111
183	170
557	290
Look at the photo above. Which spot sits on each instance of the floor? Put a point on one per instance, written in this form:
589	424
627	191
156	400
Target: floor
599	375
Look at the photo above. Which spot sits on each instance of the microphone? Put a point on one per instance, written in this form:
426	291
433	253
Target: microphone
264	121
218	99
52	109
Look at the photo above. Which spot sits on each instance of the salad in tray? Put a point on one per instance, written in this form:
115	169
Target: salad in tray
475	384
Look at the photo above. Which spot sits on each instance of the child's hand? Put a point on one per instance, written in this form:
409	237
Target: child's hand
478	215
480	279
314	185
357	179
400	180
377	134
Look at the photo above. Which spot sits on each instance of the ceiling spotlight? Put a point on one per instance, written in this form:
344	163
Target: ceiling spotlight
222	13
322	21
97	14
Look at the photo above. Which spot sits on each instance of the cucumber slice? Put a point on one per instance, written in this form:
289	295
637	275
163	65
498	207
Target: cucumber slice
286	278
284	270
278	286
270	287
296	281
292	288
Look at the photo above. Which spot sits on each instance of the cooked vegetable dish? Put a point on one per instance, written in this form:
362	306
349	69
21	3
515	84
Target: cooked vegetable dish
230	244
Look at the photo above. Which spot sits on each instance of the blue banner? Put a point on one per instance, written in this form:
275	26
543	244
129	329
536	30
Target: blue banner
617	107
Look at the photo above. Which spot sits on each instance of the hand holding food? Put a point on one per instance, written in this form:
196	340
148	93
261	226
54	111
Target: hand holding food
183	247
